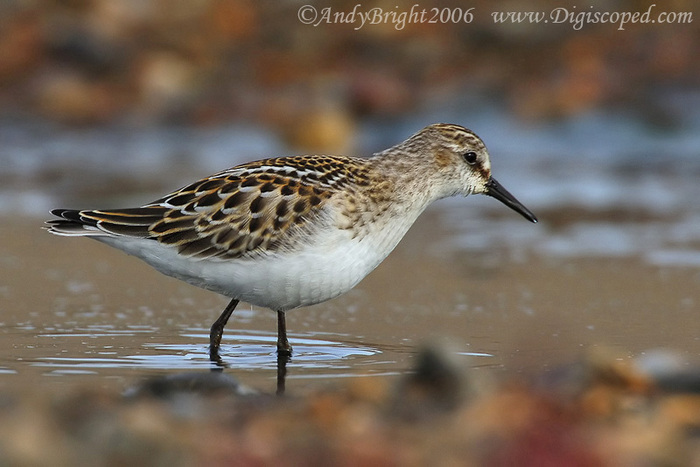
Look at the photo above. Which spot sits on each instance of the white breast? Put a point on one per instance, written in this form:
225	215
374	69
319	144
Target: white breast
332	263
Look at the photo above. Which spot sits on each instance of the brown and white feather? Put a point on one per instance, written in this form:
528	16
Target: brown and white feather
291	231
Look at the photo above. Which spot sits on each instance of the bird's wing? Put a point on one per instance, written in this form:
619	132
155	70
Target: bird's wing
247	210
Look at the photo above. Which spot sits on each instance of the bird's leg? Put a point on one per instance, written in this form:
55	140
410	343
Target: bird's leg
283	347
217	330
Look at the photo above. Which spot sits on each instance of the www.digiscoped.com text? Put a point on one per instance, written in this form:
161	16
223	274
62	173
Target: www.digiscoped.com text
399	17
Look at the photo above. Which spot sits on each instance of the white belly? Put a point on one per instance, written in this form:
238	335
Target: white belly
321	271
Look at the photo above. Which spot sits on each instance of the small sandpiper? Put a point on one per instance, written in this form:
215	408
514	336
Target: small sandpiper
294	231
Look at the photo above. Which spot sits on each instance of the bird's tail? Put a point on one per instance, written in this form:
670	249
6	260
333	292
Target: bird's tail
72	224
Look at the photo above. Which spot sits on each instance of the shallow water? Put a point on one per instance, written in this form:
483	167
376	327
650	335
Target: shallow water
615	261
75	311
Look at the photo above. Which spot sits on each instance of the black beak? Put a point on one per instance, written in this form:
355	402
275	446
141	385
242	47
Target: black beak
495	190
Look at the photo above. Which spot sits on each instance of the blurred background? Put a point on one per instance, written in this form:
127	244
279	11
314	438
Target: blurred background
100	99
594	126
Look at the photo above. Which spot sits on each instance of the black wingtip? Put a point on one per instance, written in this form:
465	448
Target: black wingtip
71	215
67	214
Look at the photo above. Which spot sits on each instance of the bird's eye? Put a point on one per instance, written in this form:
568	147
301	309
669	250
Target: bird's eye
470	157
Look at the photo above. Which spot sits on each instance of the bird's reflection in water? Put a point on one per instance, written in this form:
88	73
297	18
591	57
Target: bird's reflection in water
205	383
282	361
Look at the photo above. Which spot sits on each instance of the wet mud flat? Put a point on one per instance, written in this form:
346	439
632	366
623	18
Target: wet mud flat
578	359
